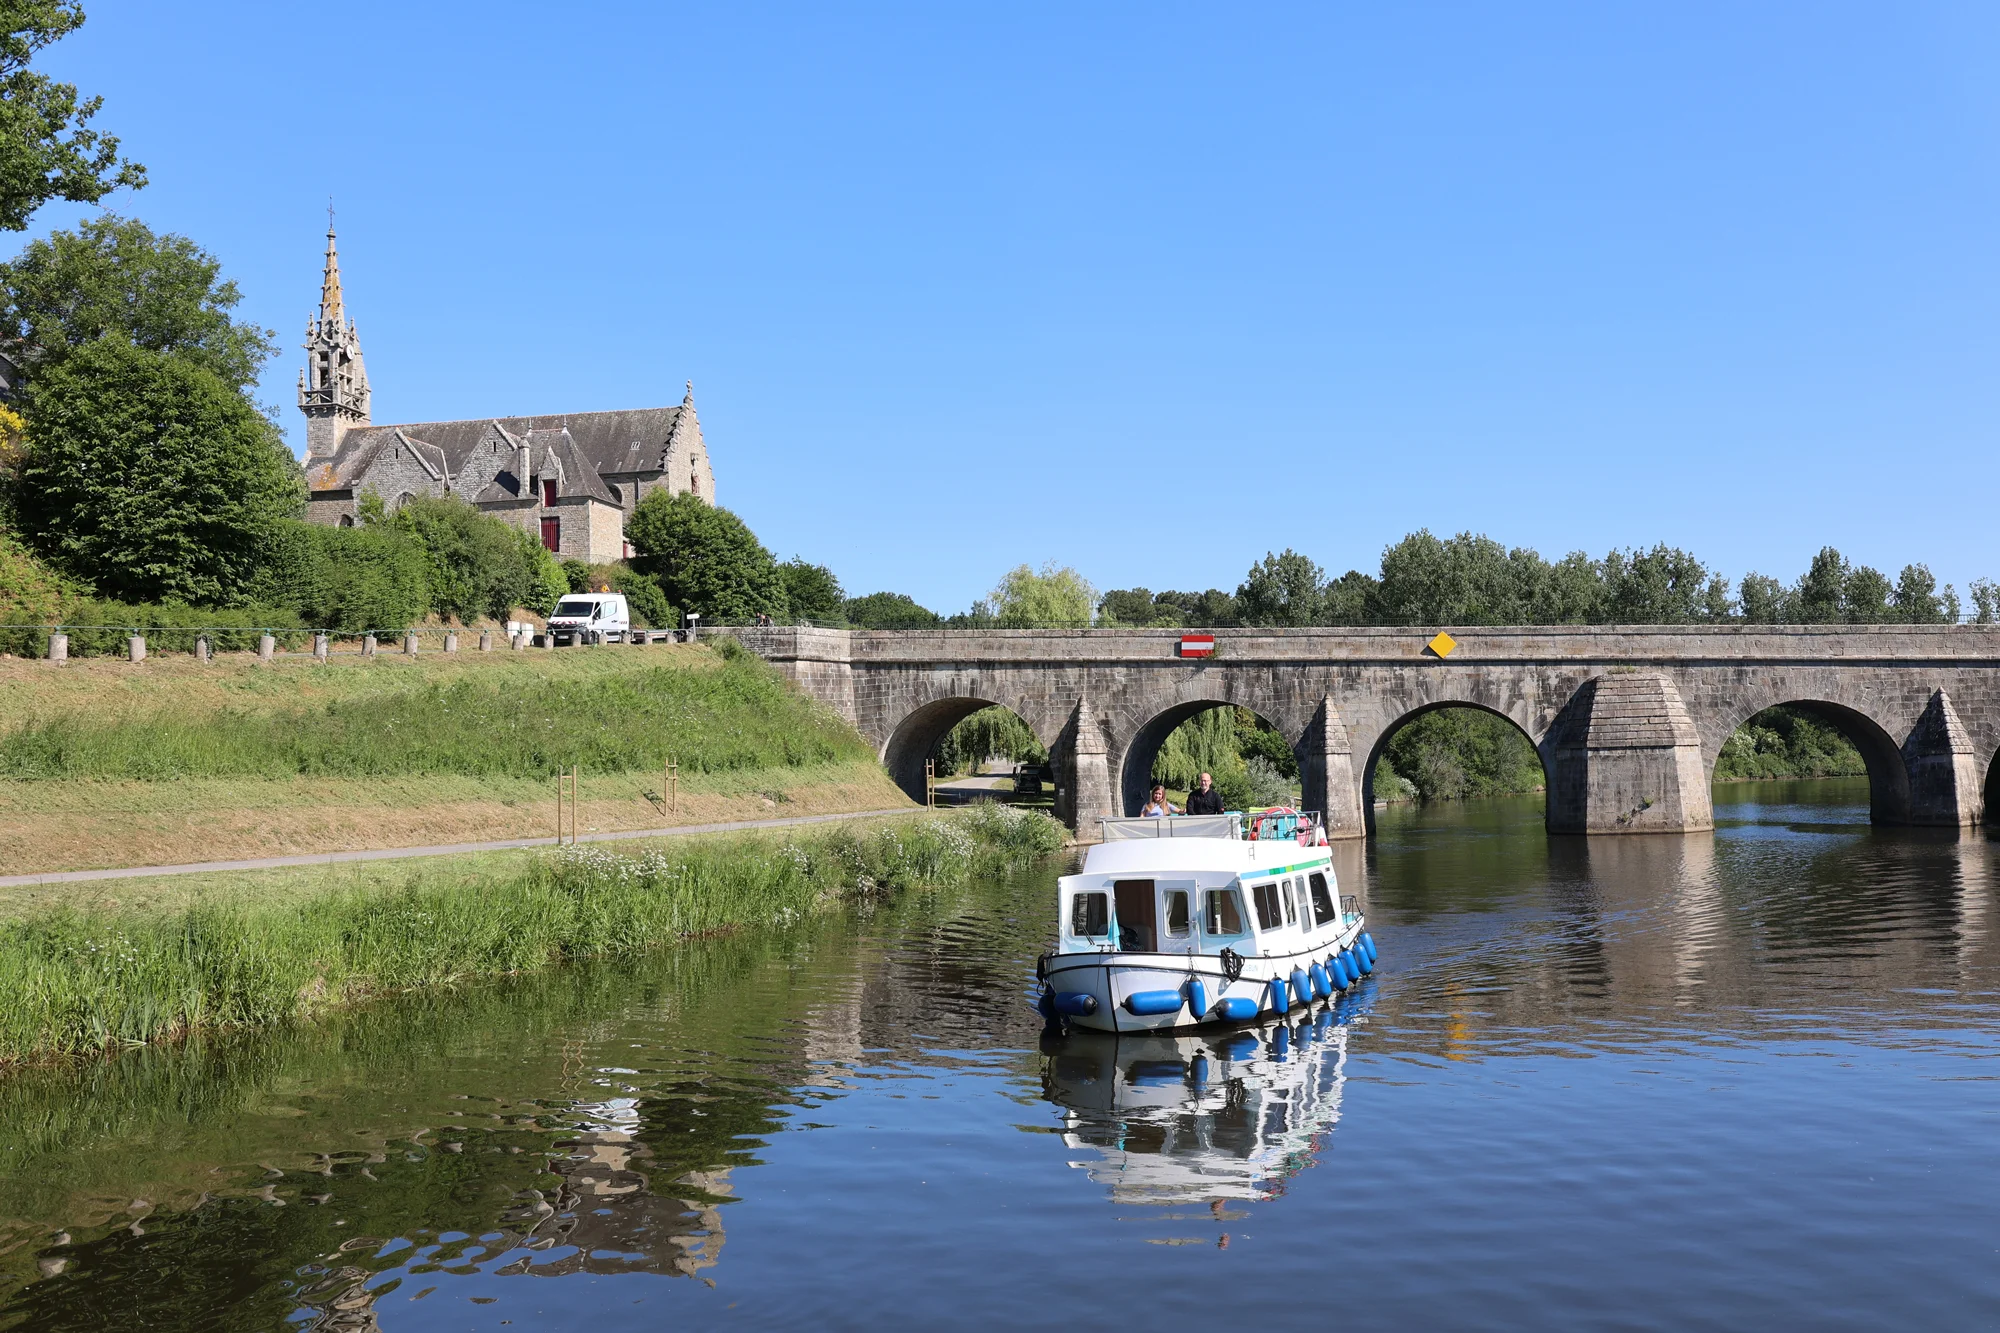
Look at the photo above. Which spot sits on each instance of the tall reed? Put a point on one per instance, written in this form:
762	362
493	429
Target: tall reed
73	982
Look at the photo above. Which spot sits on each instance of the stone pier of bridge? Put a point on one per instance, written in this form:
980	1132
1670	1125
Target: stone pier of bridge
1628	720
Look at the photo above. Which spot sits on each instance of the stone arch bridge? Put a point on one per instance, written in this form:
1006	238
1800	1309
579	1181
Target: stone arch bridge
1628	720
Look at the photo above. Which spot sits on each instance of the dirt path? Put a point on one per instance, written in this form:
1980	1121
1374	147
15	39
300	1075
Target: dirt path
451	849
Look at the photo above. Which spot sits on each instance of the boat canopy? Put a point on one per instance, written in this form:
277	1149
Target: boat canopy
1173	826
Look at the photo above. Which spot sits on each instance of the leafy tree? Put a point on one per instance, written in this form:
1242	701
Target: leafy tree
1138	608
1214	609
1865	598
889	610
1350	600
348	579
1450	754
812	593
706	559
1764	600
1918	601
1821	594
478	565
1283	589
150	477
1985	600
1663	586
1055	598
994	731
1469	580
47	150
113	277
1569	592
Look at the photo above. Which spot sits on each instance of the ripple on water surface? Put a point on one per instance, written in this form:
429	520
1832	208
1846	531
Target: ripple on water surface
1651	1081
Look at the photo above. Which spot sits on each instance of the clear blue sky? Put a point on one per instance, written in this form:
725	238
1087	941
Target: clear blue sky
1150	290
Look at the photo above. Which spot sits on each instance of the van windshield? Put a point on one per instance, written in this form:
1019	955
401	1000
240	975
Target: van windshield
572	606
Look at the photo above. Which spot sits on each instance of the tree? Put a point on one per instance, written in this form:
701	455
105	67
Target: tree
1663	586
1918	601
1985	600
1864	600
1137	608
1214	609
1764	600
477	564
1056	598
1283	589
1350	600
1821	594
812	592
47	150
1469	580
889	610
347	579
150	477
706	558
113	277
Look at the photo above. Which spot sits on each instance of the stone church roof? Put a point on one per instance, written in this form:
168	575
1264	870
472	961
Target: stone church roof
610	442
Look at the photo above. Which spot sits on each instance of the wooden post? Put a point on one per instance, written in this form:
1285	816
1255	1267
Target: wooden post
930	784
674	785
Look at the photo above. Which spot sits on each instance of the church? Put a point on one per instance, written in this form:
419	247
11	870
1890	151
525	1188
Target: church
570	479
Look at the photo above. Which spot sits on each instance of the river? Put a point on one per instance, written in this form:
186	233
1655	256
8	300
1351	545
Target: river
1657	1081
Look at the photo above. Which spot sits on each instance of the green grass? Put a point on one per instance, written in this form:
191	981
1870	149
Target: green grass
73	982
736	714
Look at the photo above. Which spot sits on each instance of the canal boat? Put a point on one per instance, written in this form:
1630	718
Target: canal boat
1188	920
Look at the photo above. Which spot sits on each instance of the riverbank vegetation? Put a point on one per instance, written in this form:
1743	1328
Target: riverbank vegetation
73	982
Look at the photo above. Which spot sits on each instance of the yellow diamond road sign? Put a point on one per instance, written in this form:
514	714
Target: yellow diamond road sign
1442	644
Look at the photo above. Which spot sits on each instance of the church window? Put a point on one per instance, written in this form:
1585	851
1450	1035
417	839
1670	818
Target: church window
552	533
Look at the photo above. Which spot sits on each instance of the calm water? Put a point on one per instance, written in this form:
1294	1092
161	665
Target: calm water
1651	1082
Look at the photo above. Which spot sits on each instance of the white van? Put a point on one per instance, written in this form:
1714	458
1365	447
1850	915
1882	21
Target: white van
590	617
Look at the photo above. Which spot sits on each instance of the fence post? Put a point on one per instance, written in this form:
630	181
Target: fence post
930	784
451	641
486	641
266	646
320	646
59	649
368	645
135	647
204	651
410	643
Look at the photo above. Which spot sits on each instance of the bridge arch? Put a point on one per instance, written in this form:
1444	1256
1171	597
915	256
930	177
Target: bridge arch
1135	770
916	737
1889	795
1389	732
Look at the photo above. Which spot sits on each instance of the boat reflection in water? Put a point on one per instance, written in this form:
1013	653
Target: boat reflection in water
1200	1118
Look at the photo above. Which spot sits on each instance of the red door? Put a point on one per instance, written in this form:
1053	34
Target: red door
552	533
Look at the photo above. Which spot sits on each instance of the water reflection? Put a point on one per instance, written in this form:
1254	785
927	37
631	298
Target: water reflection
1200	1119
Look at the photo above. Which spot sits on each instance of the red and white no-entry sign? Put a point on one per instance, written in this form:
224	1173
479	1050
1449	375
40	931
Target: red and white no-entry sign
1197	645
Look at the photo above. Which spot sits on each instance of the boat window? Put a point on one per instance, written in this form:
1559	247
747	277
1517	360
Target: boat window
1178	924
1090	914
1322	900
1225	913
1291	911
1305	904
1269	915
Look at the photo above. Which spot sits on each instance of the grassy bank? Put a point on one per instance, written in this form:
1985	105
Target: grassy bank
75	981
107	763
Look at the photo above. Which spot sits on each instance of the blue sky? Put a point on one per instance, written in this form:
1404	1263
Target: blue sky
1146	289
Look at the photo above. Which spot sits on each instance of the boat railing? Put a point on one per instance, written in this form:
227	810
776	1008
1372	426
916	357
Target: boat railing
1283	822
1350	907
1227	825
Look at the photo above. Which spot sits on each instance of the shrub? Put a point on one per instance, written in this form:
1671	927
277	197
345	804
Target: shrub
477	565
345	579
99	628
650	607
705	558
30	594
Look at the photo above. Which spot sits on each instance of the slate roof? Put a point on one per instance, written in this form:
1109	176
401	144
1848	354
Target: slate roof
611	442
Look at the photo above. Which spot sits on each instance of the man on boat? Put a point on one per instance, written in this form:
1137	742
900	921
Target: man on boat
1204	799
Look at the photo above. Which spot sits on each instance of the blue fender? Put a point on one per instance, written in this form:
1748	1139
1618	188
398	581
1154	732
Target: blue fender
1336	967
1075	1003
1322	985
1352	957
1362	960
1045	1003
1153	1002
1368	943
1279	998
1302	990
1236	1009
1197	998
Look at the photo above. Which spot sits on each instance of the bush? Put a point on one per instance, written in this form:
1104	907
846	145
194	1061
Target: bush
99	628
705	558
31	594
346	579
889	610
476	564
650	607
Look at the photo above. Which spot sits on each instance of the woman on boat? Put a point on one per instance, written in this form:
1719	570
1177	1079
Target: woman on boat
1159	804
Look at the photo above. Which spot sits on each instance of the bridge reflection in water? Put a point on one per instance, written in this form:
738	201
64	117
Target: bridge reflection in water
1180	1120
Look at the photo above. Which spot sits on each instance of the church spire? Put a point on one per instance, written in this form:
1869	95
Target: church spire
333	388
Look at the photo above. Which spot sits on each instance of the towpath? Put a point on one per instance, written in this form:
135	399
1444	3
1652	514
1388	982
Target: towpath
443	849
